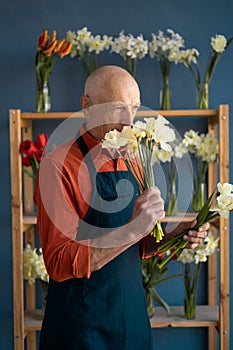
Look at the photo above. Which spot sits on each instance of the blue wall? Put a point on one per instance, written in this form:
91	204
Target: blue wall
20	24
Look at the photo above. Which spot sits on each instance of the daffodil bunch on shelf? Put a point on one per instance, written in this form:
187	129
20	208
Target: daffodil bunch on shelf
219	44
33	266
191	260
136	145
49	49
162	46
87	47
130	48
219	203
205	148
171	159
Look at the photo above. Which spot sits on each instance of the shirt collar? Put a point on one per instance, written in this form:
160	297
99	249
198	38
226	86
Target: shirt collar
95	146
92	144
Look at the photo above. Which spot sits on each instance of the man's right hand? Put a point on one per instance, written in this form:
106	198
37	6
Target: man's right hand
148	209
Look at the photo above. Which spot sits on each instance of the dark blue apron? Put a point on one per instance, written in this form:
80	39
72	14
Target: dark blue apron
108	310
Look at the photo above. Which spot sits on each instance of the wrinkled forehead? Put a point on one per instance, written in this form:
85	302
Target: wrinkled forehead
113	112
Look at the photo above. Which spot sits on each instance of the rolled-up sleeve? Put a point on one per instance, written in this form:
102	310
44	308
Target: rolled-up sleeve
57	224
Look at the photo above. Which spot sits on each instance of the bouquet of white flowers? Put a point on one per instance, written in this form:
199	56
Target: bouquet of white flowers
139	143
219	203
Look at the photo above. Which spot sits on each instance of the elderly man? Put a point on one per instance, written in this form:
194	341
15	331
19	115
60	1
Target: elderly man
92	249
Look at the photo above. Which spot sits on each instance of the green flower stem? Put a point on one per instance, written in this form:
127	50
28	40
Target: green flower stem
178	243
190	288
166	95
131	65
172	208
203	96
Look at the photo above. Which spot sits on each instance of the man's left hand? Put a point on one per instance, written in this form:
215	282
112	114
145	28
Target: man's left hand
194	237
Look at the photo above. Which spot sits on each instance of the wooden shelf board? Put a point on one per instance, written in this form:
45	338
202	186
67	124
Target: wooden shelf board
206	316
29	219
33	320
141	113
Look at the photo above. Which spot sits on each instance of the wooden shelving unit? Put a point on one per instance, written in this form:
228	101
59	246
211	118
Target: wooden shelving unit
27	320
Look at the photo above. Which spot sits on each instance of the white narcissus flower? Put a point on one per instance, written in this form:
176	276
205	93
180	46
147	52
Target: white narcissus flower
224	201
180	150
128	134
113	140
164	156
107	41
219	43
160	132
83	35
225	188
200	258
95	44
127	45
204	249
186	256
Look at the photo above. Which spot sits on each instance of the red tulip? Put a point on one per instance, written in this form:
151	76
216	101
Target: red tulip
27	147
26	161
38	155
41	141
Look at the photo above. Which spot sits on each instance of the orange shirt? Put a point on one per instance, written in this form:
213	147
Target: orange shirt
62	195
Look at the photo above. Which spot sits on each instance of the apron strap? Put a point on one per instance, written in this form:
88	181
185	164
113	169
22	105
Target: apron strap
87	158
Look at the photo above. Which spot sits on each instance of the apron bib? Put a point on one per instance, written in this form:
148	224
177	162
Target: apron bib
108	310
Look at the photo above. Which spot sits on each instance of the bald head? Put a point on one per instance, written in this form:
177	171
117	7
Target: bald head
111	84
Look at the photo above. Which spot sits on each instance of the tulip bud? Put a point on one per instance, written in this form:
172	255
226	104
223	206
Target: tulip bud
27	147
43	40
41	141
54	36
65	49
26	161
59	45
49	50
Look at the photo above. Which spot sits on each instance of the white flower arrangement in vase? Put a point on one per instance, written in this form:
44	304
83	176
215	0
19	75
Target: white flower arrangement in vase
86	46
130	48
191	263
205	149
162	46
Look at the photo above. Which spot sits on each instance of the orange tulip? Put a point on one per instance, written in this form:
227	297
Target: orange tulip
49	50
65	49
59	45
43	40
54	36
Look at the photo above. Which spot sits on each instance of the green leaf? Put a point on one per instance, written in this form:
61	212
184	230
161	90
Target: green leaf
160	301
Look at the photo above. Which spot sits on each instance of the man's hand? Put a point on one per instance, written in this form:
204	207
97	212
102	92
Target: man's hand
148	209
194	237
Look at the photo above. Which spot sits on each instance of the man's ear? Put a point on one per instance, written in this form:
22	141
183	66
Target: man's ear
85	101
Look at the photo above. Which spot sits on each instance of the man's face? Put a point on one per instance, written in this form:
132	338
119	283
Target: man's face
114	109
